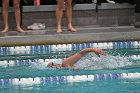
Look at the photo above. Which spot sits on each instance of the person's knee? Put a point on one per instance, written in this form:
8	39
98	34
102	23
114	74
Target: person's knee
68	5
5	4
17	6
60	7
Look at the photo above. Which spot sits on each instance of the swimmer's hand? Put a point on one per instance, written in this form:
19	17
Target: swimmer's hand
98	51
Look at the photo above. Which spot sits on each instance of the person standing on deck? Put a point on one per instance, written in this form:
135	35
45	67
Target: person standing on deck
5	5
59	14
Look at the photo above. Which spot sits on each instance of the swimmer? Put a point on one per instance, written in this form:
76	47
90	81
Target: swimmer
72	60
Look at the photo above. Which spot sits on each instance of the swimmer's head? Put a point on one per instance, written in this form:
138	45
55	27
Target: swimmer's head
53	65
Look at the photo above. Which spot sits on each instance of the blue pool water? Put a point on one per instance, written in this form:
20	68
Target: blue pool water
23	69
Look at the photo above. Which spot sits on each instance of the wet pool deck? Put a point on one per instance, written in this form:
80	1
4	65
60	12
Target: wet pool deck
84	34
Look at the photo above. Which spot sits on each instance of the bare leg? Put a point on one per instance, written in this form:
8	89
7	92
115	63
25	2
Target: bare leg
69	16
37	2
17	15
34	2
5	5
59	14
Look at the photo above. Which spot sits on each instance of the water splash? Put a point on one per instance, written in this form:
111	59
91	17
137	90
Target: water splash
39	65
92	62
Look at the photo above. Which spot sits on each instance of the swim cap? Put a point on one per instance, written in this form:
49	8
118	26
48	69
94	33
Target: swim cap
51	64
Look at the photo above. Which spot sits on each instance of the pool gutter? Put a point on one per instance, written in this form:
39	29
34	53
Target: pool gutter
89	34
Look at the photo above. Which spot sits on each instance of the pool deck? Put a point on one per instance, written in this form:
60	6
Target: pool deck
84	34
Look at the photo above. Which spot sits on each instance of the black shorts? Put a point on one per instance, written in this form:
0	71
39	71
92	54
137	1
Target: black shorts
137	7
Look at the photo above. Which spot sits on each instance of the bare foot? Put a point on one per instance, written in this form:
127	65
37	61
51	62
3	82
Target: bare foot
5	30
59	30
71	29
19	29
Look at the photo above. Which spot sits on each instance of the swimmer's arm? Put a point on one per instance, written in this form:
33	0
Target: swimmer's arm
70	61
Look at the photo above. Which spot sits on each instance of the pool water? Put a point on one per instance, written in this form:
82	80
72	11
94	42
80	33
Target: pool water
23	70
115	86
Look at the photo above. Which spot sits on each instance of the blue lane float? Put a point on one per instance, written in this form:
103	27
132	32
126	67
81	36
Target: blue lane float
67	79
12	63
66	47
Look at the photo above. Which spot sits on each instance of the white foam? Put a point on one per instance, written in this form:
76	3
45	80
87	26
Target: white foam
92	62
